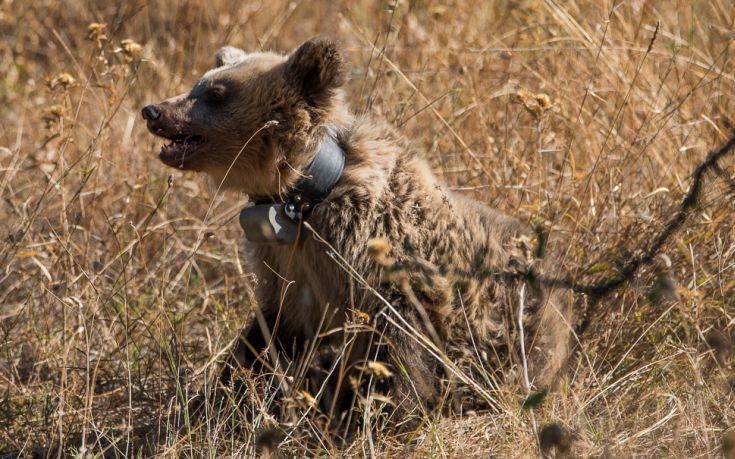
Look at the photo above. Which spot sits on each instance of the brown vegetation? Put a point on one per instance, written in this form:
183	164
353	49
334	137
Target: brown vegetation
122	281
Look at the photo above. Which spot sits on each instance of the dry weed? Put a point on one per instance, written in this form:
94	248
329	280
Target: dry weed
122	281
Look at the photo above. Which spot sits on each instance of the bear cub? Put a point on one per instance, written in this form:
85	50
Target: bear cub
393	282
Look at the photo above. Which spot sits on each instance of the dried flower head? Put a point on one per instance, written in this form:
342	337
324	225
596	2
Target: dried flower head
307	398
376	368
536	104
360	317
131	50
52	115
96	32
62	80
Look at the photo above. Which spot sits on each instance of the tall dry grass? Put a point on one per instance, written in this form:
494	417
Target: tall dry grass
121	279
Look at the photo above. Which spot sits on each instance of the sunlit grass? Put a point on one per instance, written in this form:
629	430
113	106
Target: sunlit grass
117	294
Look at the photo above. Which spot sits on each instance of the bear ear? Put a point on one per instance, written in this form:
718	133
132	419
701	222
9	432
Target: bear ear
316	68
228	55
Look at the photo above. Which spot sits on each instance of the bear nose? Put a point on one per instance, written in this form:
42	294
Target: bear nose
151	113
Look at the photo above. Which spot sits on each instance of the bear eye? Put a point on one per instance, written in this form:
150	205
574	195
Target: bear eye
215	94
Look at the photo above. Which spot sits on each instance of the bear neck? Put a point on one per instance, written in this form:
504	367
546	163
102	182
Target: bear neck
317	179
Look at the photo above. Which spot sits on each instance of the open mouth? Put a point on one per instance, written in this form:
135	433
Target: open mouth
180	148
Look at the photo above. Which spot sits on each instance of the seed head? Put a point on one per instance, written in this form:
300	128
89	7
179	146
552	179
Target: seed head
535	104
52	115
62	81
96	32
131	50
360	317
376	368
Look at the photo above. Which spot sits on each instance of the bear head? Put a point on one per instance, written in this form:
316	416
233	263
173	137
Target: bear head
254	121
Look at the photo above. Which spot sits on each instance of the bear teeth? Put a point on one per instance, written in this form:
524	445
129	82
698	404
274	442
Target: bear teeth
186	139
179	147
183	140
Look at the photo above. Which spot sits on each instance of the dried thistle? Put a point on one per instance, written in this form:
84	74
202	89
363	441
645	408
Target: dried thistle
62	81
376	368
130	49
359	317
96	32
535	104
53	115
307	398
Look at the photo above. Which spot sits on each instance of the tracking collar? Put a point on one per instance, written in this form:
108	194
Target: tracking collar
271	221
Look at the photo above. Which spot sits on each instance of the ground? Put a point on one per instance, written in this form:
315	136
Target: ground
122	281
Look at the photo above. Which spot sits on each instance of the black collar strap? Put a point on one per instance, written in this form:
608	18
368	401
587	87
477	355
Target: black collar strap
272	221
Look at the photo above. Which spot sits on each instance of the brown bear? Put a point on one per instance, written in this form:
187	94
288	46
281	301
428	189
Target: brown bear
359	249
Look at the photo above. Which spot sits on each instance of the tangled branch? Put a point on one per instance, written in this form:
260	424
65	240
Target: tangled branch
598	290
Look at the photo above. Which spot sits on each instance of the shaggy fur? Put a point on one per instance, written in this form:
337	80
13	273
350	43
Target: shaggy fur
388	233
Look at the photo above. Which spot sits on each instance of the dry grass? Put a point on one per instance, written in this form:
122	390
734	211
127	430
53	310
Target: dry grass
122	279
